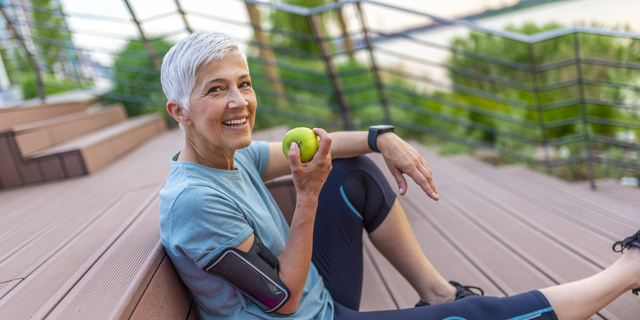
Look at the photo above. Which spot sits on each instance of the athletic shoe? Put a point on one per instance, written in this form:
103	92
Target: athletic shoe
633	241
461	292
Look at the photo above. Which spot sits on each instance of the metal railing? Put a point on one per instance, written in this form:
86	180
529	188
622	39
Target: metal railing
347	71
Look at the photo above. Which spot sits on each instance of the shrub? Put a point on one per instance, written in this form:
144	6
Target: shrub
136	83
29	88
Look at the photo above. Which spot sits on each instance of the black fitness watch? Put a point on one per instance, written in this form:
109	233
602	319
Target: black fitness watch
374	131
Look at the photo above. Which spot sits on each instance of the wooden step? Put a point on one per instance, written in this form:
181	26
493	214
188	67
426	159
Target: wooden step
34	137
10	117
75	157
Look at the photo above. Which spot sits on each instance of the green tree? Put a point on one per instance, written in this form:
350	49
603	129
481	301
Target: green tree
296	29
48	32
552	50
16	64
136	83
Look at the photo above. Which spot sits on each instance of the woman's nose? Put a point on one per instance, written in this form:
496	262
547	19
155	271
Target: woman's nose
236	99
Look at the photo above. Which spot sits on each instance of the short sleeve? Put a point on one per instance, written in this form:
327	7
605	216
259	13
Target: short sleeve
258	153
205	223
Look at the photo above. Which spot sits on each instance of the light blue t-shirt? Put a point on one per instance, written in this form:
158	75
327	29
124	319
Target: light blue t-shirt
205	210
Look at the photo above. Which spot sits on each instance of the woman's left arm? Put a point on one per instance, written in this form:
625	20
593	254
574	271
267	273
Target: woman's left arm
401	158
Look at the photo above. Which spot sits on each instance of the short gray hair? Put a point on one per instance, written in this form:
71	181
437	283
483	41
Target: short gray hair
180	64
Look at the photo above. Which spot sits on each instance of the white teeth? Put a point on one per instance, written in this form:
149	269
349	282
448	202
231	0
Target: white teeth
232	122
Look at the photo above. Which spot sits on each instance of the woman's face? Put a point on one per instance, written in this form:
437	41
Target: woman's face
223	105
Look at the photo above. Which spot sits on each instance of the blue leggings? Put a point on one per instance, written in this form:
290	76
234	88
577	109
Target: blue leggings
357	197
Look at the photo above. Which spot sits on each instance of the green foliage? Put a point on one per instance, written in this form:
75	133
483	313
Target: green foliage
29	88
611	171
136	82
293	23
16	64
553	50
505	96
48	27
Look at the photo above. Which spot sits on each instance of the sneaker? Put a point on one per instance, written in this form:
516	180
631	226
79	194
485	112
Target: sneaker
461	292
633	241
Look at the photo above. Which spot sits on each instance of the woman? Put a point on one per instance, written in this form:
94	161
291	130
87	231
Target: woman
215	199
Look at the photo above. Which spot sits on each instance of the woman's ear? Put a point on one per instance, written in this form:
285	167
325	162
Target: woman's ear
178	113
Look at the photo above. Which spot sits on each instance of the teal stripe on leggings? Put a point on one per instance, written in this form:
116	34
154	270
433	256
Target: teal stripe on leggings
344	196
532	315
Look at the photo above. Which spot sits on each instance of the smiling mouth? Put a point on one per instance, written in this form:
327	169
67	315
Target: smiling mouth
235	123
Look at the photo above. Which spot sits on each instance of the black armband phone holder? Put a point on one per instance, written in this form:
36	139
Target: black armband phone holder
254	273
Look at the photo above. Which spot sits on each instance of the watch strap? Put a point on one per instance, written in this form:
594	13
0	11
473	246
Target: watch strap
374	132
372	139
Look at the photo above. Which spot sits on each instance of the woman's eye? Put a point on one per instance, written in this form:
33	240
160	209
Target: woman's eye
215	89
245	84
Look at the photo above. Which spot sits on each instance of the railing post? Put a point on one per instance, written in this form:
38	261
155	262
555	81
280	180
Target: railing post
147	44
536	94
32	60
583	109
374	67
186	23
316	28
266	54
346	40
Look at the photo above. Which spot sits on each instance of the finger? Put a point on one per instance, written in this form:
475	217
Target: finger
423	182
402	182
294	155
427	174
321	133
325	142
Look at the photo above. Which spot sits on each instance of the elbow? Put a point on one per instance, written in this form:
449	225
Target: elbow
290	307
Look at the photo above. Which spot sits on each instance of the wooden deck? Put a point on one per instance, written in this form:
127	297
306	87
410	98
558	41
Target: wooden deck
88	247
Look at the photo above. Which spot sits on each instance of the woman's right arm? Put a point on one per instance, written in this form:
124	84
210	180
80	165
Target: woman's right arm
295	258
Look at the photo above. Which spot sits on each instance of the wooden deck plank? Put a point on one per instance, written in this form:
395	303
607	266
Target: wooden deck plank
46	285
588	244
560	268
443	261
510	274
375	296
602	202
116	281
18	198
28	258
490	256
580	212
613	188
92	201
451	263
55	191
498	227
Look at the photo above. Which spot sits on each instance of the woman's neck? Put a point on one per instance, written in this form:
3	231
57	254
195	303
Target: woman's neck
207	156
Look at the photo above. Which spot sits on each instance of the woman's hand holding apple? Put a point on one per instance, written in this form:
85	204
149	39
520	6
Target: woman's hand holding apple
309	177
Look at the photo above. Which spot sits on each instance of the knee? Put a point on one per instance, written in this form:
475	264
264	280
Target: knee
366	191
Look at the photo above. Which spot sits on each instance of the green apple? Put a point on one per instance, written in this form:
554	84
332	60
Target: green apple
307	142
